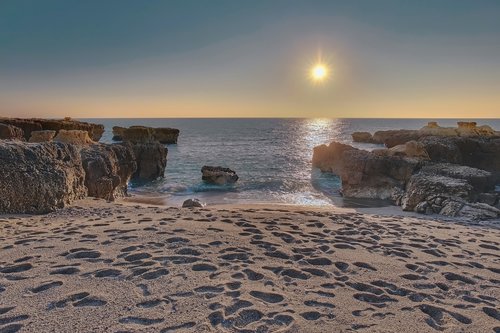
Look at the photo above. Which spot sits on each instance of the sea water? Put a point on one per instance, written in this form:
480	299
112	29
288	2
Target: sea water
272	157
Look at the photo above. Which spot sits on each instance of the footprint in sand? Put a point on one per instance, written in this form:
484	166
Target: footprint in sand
267	297
46	286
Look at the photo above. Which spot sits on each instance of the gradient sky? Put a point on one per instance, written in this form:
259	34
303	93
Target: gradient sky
249	58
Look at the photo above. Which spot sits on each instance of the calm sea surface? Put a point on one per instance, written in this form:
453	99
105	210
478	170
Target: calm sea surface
271	156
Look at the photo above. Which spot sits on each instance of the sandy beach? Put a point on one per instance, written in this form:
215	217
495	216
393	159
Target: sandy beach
123	267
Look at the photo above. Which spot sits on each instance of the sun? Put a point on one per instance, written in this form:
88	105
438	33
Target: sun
319	72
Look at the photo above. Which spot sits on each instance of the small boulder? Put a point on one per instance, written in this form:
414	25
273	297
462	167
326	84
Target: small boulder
42	136
218	175
191	203
77	137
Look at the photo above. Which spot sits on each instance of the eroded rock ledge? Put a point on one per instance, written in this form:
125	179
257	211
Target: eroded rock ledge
51	172
29	125
448	175
164	135
393	138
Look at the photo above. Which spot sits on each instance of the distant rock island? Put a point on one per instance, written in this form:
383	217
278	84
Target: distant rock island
447	171
49	163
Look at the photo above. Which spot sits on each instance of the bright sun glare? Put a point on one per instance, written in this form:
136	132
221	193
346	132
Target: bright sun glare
319	72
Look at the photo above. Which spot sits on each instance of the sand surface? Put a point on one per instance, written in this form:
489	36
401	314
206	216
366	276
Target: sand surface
99	267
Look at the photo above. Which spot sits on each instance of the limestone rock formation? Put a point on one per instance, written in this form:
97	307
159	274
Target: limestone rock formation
10	132
365	174
408	176
42	136
218	175
95	131
118	133
143	134
150	154
365	137
477	152
412	149
393	138
39	178
108	169
136	134
151	158
166	135
76	137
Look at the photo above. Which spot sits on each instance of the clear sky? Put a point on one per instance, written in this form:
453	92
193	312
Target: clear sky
249	58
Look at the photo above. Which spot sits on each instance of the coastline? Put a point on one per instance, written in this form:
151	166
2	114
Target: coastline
236	268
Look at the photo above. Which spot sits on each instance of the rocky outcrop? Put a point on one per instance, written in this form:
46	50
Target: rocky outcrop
108	169
365	137
39	178
42	136
407	175
151	158
76	137
166	135
150	154
143	134
409	149
95	131
477	152
118	133
218	175
9	132
393	138
365	174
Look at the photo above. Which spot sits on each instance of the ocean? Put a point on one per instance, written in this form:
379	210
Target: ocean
272	157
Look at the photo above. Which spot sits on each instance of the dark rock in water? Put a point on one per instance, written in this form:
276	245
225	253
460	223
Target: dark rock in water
190	203
10	132
144	134
365	137
108	168
218	175
42	136
95	131
39	178
151	159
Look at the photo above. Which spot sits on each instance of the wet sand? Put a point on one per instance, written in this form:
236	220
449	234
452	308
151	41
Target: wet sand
101	267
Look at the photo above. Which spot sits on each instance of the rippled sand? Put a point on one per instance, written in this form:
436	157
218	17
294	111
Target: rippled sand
102	267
